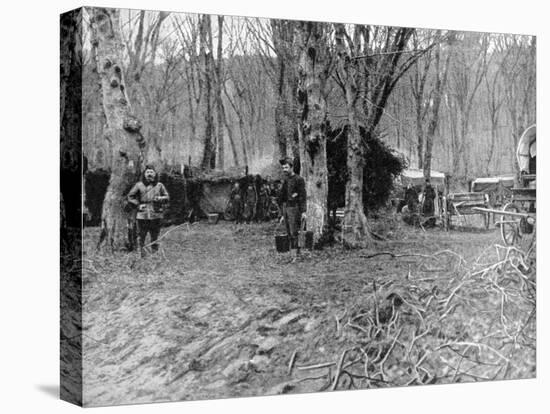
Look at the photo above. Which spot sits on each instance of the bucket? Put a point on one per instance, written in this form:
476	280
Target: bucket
213	218
282	243
305	238
308	240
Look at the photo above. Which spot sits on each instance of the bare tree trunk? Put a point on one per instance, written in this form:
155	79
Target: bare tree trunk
205	45
418	83
229	129
464	144
219	102
123	128
281	129
494	103
467	78
356	230
312	128
141	51
440	81
356	233
244	142
293	137
192	122
419	138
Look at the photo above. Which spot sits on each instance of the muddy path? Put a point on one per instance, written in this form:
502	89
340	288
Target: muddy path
218	313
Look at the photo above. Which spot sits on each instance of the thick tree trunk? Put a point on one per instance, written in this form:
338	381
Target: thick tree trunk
123	129
355	226
206	75
312	128
280	144
219	102
437	93
418	89
286	117
292	118
356	230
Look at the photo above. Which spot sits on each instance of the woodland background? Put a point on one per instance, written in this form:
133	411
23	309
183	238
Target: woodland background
232	79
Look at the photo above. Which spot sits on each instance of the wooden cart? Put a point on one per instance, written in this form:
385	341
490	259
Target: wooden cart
515	225
518	217
464	204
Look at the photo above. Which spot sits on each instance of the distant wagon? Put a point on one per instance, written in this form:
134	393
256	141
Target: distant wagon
415	177
497	188
520	225
465	204
518	215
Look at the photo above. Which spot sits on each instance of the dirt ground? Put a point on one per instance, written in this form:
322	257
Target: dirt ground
219	313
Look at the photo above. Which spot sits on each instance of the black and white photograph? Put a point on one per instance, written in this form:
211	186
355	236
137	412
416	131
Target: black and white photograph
257	206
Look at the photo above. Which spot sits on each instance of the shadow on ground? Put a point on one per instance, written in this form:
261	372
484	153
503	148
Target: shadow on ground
49	389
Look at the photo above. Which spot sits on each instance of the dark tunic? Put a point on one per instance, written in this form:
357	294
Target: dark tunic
293	193
429	197
293	200
411	199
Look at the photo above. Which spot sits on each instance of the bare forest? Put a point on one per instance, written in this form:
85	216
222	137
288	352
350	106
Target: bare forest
225	88
415	260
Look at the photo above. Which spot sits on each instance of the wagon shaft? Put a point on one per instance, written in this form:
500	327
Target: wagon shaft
504	213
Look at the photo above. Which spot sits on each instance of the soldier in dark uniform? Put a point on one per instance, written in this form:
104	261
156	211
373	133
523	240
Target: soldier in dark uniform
411	198
428	207
293	200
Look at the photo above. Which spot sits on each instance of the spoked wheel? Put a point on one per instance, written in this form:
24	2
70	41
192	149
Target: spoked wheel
509	228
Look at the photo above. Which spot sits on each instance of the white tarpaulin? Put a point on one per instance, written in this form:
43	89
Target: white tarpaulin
527	148
416	178
491	183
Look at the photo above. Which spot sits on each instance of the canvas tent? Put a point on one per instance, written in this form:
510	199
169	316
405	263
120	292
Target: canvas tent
415	177
527	150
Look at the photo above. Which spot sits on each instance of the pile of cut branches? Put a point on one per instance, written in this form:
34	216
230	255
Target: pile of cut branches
463	322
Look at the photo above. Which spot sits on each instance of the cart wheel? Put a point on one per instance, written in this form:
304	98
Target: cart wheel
510	231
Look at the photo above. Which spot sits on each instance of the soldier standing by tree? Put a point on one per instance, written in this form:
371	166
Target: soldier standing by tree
150	197
293	200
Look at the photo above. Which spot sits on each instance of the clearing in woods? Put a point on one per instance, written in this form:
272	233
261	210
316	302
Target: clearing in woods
218	313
